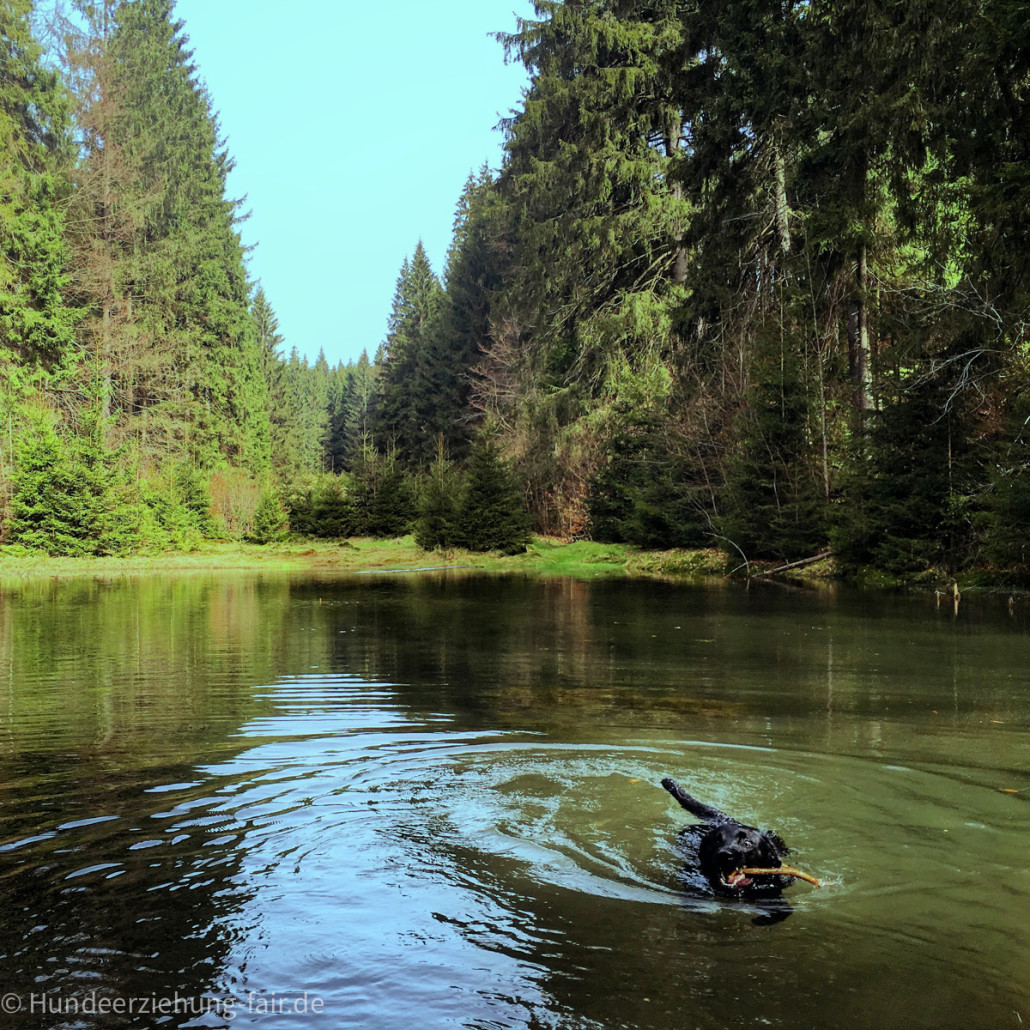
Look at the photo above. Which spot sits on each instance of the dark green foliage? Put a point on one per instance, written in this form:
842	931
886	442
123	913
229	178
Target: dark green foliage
772	503
271	521
474	274
492	515
300	418
727	276
324	509
191	491
160	261
1004	521
905	495
377	499
352	412
48	509
406	413
382	495
439	506
648	491
590	207
36	321
67	495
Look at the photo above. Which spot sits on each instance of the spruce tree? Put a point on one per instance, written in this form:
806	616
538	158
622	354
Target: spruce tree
474	273
36	322
167	262
68	496
492	515
591	207
587	234
772	503
645	493
382	495
352	418
301	419
45	509
906	490
438	505
271	521
407	418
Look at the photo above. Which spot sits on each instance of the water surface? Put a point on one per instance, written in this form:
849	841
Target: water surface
433	801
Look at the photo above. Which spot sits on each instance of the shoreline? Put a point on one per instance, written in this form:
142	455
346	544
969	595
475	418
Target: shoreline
543	557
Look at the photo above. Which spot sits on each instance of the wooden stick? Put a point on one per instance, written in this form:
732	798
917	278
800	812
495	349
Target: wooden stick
785	870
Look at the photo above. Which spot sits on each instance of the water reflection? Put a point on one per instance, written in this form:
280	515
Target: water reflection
434	800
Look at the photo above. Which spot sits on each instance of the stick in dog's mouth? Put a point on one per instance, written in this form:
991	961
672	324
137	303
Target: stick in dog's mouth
784	870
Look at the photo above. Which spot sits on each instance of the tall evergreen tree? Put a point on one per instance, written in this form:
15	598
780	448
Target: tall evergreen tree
300	418
438	506
593	226
36	323
474	273
352	404
492	515
171	262
592	210
407	417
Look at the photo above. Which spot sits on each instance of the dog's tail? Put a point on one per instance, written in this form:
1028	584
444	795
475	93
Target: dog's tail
691	804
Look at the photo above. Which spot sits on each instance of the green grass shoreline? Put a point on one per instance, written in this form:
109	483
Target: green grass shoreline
363	556
583	559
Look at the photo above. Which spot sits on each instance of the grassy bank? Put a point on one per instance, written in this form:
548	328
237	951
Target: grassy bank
365	556
359	556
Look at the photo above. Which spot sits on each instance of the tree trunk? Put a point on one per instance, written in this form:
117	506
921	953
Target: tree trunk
859	351
782	208
674	132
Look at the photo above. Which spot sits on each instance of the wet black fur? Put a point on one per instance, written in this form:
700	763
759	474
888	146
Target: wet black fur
721	845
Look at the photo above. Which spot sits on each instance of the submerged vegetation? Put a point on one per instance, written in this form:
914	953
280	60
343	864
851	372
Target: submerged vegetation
737	285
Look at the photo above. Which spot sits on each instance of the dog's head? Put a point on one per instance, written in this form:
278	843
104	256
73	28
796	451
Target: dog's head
728	847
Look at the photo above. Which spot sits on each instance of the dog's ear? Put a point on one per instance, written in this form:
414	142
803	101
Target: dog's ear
777	843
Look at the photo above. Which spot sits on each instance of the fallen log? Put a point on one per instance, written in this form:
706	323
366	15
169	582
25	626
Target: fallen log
793	565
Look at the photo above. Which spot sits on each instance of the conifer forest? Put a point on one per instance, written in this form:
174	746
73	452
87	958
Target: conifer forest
751	275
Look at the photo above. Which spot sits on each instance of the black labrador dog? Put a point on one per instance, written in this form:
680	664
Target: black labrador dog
719	850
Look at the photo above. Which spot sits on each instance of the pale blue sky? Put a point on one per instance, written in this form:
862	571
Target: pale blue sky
353	126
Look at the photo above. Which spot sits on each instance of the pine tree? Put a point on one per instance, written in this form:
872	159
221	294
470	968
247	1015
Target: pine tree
164	258
68	497
36	323
772	504
591	207
406	413
473	276
382	496
271	521
438	506
492	515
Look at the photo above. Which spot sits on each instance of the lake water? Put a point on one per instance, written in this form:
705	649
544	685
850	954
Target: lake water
433	801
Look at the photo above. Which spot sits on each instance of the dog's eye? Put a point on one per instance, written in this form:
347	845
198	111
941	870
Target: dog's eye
747	843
